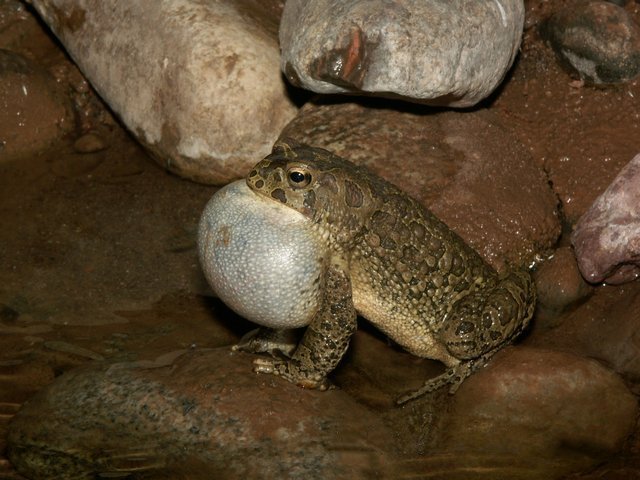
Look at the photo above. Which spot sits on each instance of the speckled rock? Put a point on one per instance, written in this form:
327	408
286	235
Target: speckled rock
34	112
531	402
605	327
452	53
559	286
607	238
464	167
596	39
197	82
204	412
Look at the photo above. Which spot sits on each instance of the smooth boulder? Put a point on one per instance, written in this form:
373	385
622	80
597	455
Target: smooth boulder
426	51
541	404
197	82
192	414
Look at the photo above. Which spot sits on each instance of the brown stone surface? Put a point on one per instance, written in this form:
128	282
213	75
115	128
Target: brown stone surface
605	327
201	407
560	286
88	240
537	403
583	136
465	167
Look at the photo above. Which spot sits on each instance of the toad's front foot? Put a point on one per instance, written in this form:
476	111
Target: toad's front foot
291	371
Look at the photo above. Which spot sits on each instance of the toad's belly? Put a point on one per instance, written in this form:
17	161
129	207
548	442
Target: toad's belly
392	313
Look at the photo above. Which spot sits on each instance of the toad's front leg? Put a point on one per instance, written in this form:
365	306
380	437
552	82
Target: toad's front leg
325	340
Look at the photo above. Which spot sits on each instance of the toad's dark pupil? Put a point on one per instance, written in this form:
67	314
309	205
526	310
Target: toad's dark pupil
296	177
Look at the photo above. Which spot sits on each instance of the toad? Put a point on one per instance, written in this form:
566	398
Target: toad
380	254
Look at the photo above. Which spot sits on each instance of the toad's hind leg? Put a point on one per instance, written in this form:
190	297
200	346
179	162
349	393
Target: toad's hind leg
479	325
485	320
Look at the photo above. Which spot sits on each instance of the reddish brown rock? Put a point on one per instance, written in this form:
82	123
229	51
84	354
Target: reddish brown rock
580	134
544	404
559	286
205	410
464	167
607	237
606	327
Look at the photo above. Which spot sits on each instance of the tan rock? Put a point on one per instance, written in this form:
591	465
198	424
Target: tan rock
196	81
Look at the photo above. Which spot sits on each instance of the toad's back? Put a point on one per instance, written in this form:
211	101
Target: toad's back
408	269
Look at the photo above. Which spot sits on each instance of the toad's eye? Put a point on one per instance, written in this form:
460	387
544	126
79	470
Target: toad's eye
298	178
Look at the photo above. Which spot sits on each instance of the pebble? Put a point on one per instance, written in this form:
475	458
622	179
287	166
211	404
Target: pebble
560	286
89	143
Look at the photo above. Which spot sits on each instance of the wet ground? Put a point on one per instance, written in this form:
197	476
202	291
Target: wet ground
98	260
97	244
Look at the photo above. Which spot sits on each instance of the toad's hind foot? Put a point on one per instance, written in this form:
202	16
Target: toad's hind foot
291	371
452	378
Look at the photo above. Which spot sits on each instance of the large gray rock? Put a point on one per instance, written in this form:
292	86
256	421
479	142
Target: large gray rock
427	51
196	81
